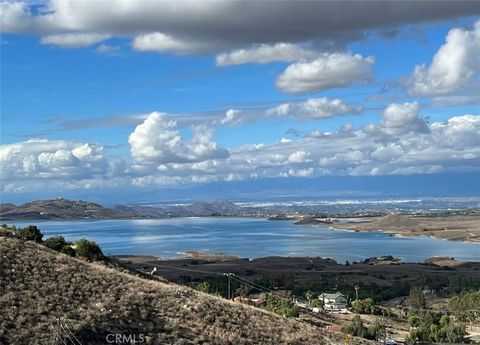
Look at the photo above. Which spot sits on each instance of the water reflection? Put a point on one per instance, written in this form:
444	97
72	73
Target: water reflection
250	237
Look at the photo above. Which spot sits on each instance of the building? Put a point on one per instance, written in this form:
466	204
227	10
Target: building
300	301
333	301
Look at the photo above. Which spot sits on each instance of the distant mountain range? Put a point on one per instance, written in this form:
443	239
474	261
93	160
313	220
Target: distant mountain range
64	209
72	209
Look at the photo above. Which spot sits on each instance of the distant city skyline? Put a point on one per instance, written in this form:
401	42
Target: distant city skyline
102	99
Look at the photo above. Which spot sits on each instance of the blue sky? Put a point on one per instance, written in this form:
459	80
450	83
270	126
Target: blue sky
110	101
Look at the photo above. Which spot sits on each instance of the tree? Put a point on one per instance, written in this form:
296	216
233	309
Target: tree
310	295
368	305
316	303
417	298
357	306
281	305
435	328
203	287
88	250
30	233
364	306
466	306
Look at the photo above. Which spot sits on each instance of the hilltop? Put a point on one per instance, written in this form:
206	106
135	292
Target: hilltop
39	285
58	209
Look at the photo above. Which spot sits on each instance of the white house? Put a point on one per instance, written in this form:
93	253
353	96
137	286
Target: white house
333	301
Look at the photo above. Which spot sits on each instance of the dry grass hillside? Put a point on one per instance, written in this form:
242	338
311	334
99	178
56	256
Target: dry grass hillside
458	227
38	285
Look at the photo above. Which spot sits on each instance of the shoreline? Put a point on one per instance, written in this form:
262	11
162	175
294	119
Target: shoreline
404	235
225	257
458	228
465	229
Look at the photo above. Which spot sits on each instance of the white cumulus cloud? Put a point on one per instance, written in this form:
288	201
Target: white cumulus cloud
314	108
14	16
401	118
231	117
74	40
159	42
157	141
265	53
45	159
326	72
454	65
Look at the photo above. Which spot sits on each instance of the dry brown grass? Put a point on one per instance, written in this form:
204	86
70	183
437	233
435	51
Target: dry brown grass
454	227
38	285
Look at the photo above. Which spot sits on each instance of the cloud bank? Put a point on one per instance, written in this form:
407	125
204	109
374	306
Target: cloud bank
401	143
225	24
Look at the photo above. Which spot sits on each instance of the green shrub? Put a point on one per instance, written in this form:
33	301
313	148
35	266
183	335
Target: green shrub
355	327
376	331
466	306
56	243
280	305
30	233
436	328
417	298
68	250
88	250
316	303
60	244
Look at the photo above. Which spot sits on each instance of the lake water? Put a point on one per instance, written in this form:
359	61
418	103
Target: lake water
249	237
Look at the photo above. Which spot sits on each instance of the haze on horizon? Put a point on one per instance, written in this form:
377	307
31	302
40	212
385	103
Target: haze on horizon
110	100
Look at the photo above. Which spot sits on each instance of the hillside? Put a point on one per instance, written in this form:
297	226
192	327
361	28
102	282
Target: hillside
72	209
39	285
199	209
58	209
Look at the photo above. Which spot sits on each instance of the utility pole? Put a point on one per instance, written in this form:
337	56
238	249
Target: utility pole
229	294
356	291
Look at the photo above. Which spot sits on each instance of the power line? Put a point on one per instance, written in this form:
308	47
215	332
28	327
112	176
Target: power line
58	335
265	289
68	331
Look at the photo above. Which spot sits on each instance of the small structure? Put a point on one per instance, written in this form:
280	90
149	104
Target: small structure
256	299
300	301
333	301
429	292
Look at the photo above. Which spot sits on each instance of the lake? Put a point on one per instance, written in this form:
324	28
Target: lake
249	237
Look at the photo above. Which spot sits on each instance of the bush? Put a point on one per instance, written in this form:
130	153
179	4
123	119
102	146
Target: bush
355	327
30	233
316	303
466	306
88	250
281	306
376	331
56	243
417	298
60	244
68	250
436	328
